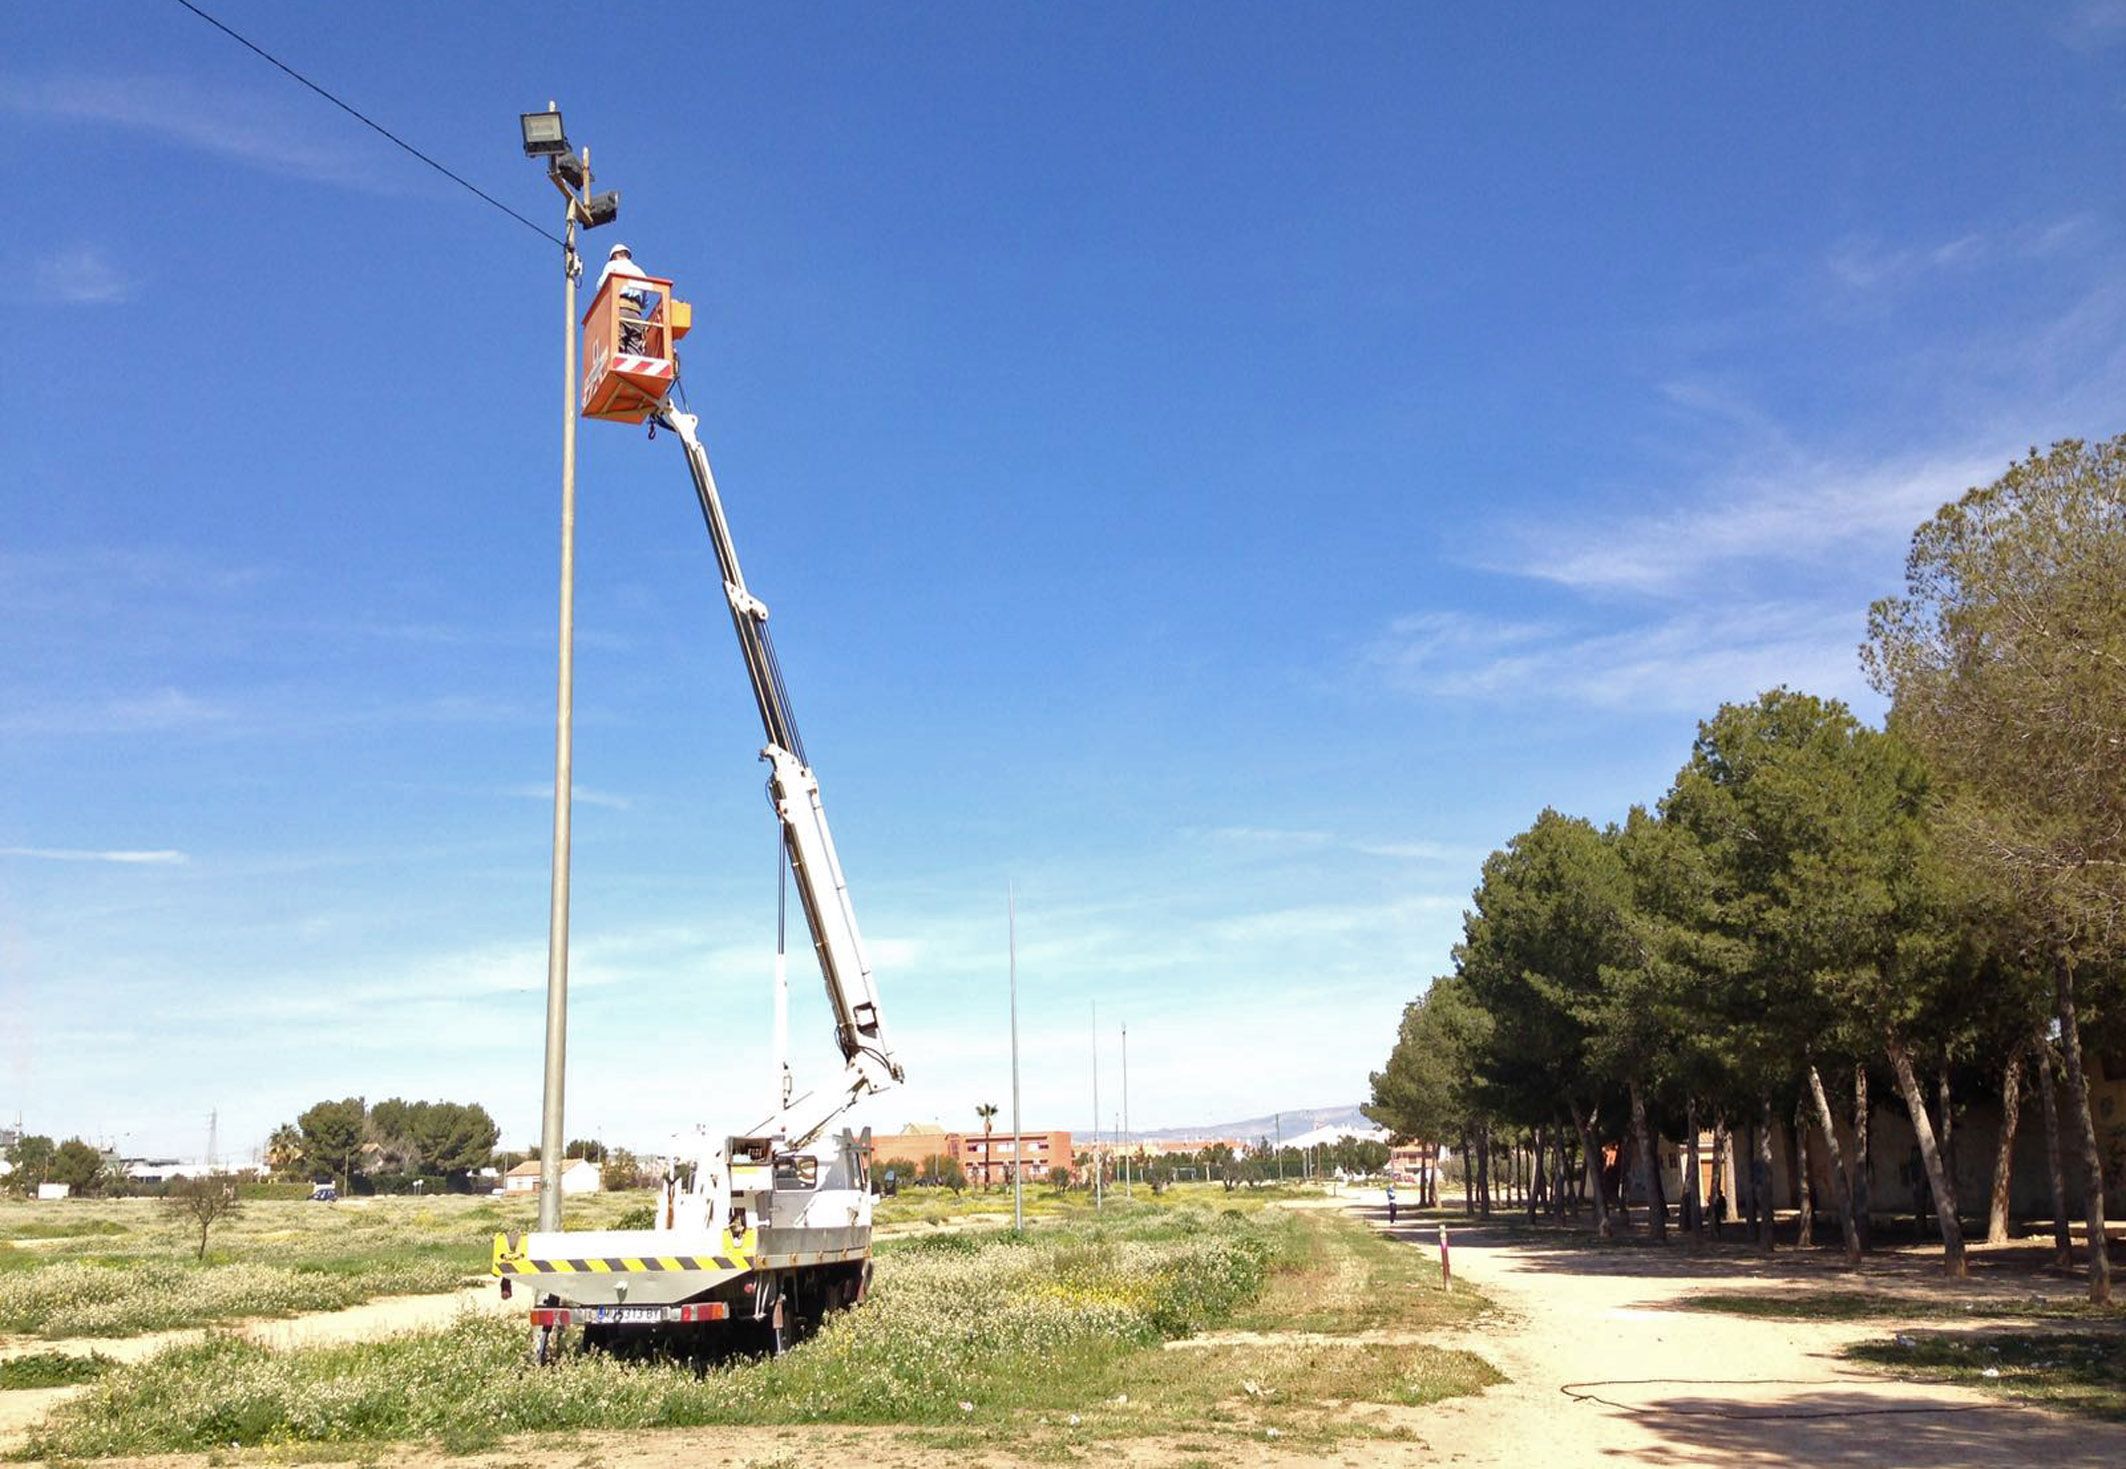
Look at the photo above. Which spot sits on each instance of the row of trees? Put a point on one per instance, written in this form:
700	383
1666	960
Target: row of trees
393	1141
36	1160
1815	904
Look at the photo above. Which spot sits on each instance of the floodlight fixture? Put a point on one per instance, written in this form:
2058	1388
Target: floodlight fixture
544	136
570	170
601	209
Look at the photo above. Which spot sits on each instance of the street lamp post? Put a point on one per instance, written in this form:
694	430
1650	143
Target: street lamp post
1125	1111
570	171
1018	1136
1099	1196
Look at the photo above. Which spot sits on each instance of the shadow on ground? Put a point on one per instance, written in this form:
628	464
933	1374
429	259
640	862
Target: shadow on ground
1834	1426
2017	1269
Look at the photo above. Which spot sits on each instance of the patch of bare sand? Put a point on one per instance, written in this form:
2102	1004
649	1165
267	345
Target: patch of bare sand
1603	1368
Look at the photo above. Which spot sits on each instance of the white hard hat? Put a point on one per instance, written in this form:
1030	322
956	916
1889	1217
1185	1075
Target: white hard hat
619	250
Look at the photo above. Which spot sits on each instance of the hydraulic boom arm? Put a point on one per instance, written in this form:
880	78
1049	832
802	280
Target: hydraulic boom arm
868	1063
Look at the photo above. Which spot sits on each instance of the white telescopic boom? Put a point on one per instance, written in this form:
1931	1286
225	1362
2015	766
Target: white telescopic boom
821	888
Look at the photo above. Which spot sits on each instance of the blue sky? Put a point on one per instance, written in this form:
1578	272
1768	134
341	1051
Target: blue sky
1223	468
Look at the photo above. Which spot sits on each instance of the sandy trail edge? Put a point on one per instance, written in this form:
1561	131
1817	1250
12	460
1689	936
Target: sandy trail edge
1669	1386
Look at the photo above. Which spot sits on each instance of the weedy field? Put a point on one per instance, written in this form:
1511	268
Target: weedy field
1065	1335
121	1267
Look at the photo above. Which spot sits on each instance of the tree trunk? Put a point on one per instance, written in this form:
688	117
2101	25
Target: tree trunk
1561	1172
1723	1200
1847	1224
2092	1155
2004	1155
2056	1172
1863	1164
1742	1149
1693	1193
1483	1172
1952	1229
1642	1140
1622	1174
1591	1161
1535	1172
1761	1174
1468	1176
1659	1190
1804	1186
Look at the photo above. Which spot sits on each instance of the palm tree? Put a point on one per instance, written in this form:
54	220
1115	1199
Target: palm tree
284	1150
987	1111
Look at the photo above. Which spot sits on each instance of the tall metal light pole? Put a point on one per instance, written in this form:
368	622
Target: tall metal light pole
1018	1136
544	137
1125	1111
1099	1193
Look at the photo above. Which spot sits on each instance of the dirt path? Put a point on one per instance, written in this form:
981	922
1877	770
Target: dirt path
1605	1369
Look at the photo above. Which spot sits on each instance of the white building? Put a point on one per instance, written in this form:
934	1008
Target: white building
578	1176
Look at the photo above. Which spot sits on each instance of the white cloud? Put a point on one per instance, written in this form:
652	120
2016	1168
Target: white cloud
159	711
72	854
1418	851
244	126
1865	264
1265	837
2093	25
1271	841
80	275
584	796
1799	511
1682	663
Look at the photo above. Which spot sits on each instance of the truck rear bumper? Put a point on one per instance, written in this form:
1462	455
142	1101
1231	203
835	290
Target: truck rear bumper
630	1315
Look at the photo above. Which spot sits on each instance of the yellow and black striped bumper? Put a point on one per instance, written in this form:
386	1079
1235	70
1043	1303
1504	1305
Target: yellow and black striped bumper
511	1259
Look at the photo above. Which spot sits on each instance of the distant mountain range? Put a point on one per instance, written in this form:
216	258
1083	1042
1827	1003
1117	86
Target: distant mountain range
1269	1125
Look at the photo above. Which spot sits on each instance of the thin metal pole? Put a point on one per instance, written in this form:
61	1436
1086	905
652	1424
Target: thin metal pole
552	1138
1125	1111
1099	1195
1018	1137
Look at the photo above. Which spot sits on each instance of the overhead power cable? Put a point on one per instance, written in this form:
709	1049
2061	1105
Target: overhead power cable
369	122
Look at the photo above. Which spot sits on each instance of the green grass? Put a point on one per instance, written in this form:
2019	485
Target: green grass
1354	1280
1045	1341
1837	1305
62	1228
52	1369
2079	1372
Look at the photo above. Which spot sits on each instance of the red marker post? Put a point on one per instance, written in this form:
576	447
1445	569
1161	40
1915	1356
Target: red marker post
1446	1274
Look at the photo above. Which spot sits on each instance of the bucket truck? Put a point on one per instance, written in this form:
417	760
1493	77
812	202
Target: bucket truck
770	1229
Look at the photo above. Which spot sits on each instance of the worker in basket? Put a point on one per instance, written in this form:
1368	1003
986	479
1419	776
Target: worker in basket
637	303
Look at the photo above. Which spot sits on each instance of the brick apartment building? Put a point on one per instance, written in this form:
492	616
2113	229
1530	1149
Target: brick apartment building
986	1160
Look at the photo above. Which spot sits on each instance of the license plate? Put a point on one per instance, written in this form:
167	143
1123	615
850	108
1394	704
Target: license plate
624	1314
